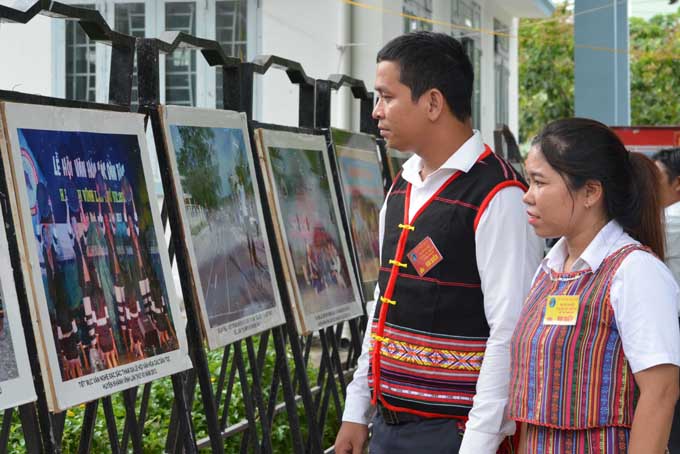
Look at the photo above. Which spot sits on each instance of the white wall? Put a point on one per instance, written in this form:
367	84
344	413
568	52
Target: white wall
303	31
26	56
308	31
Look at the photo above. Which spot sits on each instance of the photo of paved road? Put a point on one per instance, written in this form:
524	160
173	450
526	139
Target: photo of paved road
223	218
8	365
232	266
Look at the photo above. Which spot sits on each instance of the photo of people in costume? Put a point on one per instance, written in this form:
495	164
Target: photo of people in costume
98	253
224	223
309	219
363	193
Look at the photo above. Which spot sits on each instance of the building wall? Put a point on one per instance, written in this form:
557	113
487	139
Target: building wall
325	36
26	57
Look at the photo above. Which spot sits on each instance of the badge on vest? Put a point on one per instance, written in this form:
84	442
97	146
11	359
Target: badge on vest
424	256
561	310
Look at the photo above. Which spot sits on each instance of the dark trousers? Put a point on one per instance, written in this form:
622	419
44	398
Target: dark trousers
429	436
674	441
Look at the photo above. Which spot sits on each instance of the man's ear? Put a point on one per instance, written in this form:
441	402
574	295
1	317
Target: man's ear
435	103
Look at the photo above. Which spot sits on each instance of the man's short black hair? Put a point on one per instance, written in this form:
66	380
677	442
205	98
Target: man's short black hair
433	60
670	158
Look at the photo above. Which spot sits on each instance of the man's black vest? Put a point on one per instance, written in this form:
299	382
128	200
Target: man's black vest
431	330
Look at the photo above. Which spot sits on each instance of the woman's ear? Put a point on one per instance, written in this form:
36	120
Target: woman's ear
594	193
675	184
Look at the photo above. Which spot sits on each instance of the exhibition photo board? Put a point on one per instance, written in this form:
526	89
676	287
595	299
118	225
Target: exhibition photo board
16	381
223	221
93	252
360	173
395	161
320	278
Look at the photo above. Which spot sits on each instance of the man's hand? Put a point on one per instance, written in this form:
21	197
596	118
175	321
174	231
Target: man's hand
351	438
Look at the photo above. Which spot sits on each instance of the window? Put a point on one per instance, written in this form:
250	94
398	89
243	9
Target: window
230	31
180	66
501	72
417	8
129	19
81	59
469	14
81	67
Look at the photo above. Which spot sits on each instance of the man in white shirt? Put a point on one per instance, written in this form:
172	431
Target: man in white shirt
457	256
668	162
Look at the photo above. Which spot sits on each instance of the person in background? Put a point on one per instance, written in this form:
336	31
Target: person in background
596	350
668	161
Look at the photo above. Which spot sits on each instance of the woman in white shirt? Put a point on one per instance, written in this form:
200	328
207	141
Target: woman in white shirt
600	321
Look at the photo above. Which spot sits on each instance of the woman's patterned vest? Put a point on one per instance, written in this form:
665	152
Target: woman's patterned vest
429	332
572	377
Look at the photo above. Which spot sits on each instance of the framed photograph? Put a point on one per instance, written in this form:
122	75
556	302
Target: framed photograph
396	159
311	239
107	315
363	194
16	381
223	222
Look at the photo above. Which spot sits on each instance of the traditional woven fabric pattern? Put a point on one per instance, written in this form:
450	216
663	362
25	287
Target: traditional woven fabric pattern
572	377
606	440
440	370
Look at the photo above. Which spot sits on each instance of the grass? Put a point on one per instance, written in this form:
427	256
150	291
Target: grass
155	430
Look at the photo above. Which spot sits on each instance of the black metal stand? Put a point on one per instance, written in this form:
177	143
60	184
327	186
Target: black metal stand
266	390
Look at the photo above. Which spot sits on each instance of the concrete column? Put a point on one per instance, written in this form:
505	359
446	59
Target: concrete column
602	84
513	89
488	107
345	45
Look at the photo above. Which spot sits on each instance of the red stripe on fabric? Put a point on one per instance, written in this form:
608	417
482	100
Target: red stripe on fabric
424	414
490	196
433	280
457	202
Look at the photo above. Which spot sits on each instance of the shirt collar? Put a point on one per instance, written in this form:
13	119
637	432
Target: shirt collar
673	210
462	159
592	257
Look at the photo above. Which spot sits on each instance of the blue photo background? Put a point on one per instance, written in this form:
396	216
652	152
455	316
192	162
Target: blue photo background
76	181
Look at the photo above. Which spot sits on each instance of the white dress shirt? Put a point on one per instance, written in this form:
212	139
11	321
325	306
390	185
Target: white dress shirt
507	252
672	213
643	295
